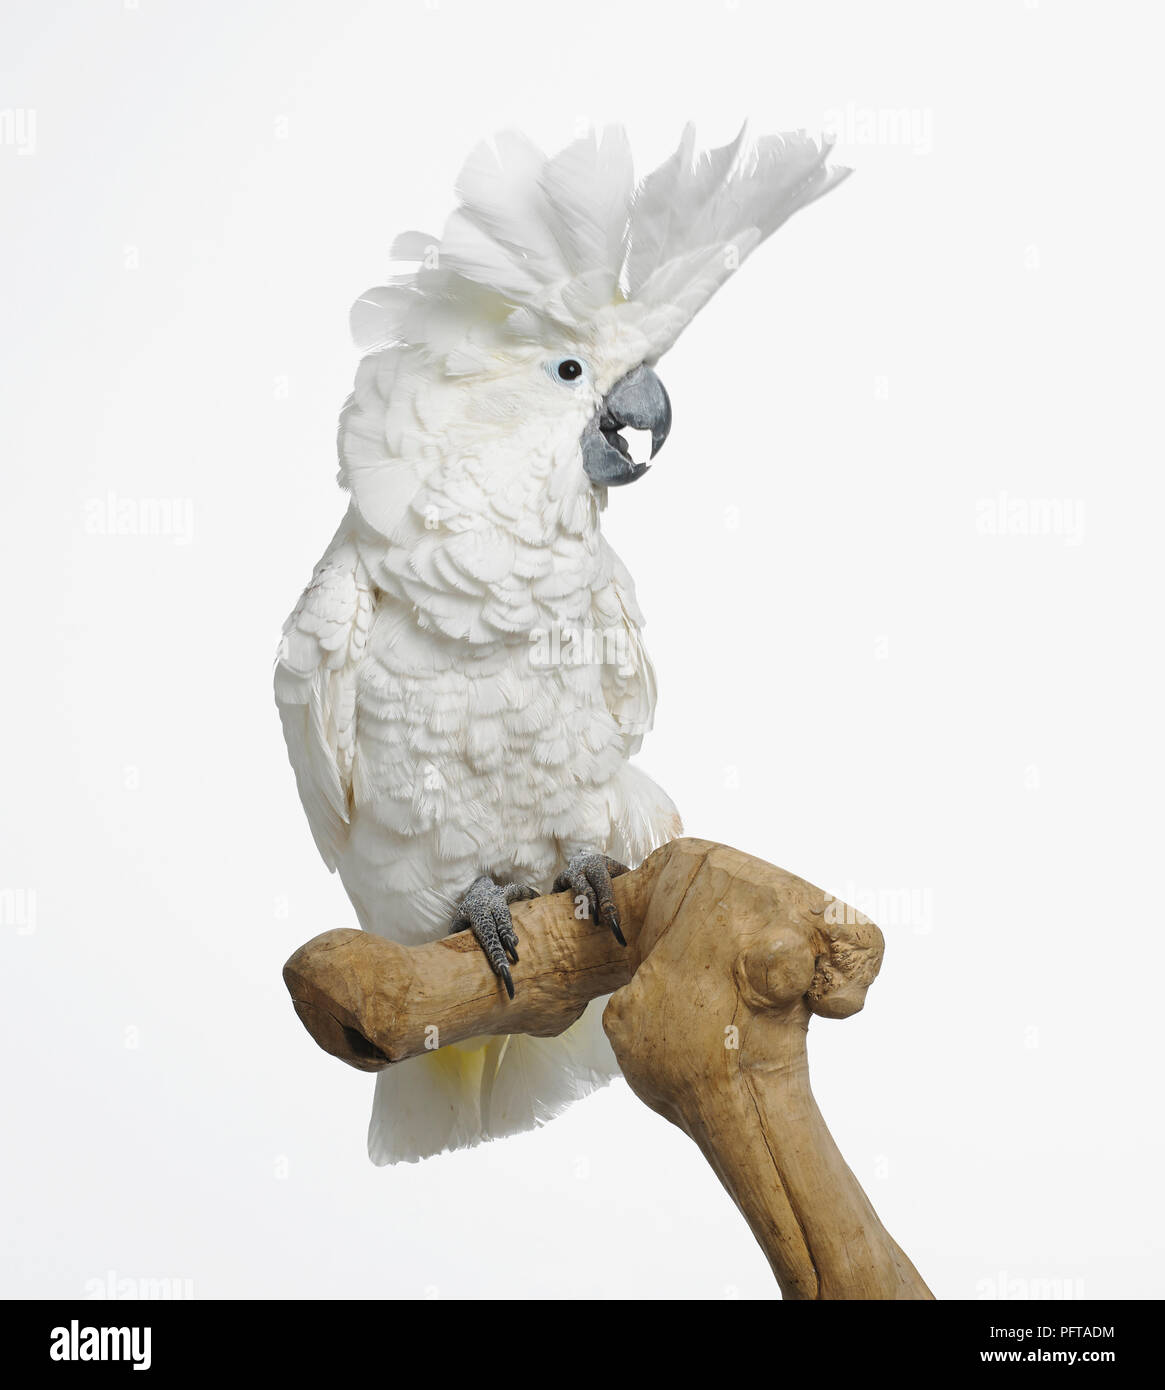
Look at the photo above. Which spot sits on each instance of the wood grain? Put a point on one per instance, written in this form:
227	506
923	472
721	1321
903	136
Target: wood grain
727	959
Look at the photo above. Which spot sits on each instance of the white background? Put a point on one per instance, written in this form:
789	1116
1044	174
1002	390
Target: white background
958	731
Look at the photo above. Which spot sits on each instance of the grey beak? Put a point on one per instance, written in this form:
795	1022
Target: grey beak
639	402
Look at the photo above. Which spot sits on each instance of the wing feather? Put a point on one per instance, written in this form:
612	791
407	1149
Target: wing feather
315	689
627	673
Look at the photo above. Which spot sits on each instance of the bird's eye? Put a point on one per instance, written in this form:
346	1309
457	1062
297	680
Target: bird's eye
567	369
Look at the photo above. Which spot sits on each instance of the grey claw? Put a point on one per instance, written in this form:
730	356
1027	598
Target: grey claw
485	911
589	876
613	920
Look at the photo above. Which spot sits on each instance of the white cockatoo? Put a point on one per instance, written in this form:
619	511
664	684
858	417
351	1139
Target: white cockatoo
463	683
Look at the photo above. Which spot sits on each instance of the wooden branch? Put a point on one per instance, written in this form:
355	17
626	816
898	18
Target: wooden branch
727	958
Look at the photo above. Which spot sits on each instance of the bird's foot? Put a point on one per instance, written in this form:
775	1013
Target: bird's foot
588	876
485	911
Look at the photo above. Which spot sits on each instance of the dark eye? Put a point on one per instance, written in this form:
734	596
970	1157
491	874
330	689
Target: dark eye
568	371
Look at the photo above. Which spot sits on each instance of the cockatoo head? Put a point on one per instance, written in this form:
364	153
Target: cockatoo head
521	344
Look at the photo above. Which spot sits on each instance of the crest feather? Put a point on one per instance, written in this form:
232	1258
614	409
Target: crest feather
556	241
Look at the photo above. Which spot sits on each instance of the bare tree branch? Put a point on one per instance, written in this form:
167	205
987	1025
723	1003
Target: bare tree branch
727	958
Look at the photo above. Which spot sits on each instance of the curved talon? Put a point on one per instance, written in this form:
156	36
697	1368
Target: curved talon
485	911
588	875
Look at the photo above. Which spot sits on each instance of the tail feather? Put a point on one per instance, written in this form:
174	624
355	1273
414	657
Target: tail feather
486	1088
427	1105
537	1078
